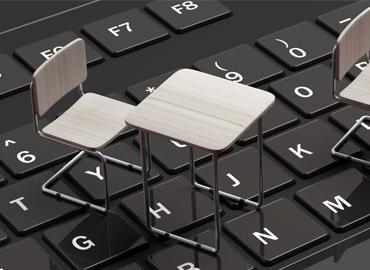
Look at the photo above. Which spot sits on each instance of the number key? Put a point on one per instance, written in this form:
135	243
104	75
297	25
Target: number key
125	32
299	45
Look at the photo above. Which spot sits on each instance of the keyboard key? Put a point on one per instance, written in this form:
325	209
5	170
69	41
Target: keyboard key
243	64
346	118
132	266
167	213
357	68
238	174
141	90
306	149
277	231
3	238
347	254
125	32
299	45
26	254
13	78
335	21
275	120
87	174
94	240
173	156
3	180
183	16
25	208
309	92
185	258
33	55
341	200
23	151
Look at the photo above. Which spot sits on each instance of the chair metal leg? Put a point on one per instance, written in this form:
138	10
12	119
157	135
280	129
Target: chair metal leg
145	157
335	150
230	196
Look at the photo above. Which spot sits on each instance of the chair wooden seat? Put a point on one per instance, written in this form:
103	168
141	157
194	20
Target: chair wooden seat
201	110
92	122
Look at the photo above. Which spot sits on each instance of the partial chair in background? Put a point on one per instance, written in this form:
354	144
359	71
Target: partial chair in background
352	44
90	124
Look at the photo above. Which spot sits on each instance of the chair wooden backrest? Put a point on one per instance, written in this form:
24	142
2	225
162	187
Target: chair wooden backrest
352	44
58	75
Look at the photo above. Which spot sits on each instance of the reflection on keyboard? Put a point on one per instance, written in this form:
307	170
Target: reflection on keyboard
316	205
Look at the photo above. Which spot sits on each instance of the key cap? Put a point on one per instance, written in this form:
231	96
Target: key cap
346	254
276	119
167	213
141	90
23	151
299	45
357	68
3	180
238	174
13	78
183	16
173	156
125	32
3	238
132	266
186	258
94	240
277	231
25	208
342	204
346	118
310	91
243	64
306	149
335	21
26	254
87	174
33	55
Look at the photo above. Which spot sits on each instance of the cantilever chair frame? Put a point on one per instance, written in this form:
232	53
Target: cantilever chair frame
335	151
83	151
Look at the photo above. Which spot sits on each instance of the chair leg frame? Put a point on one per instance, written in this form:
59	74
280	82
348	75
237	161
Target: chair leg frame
104	159
230	196
335	150
146	163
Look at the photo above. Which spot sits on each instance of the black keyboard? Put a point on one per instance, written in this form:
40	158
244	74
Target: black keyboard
317	209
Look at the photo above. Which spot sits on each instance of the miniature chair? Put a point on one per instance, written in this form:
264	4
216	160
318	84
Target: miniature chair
90	124
352	44
203	111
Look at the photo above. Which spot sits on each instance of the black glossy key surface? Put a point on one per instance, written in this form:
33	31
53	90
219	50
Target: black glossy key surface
353	252
310	91
335	21
173	156
3	237
141	90
184	15
23	151
278	230
243	64
341	200
238	174
13	77
27	254
25	208
33	55
94	240
345	118
357	68
275	120
181	257
299	45
307	149
176	205
87	174
132	266
125	32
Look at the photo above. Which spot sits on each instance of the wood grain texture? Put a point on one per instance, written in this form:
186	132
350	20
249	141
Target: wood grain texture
201	110
92	122
58	75
358	92
352	44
